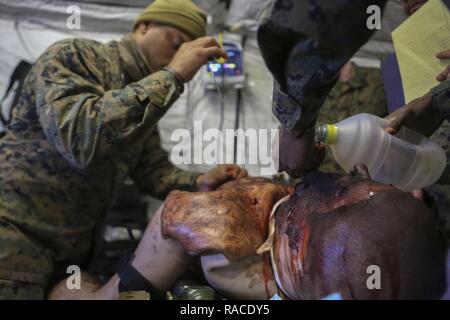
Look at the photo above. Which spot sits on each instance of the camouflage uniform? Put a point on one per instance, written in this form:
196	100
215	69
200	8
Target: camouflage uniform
305	43
364	92
84	122
441	101
442	138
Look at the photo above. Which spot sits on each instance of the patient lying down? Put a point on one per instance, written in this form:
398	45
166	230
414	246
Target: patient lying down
256	237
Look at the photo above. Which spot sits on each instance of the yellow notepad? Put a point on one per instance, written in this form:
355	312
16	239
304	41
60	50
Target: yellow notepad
416	42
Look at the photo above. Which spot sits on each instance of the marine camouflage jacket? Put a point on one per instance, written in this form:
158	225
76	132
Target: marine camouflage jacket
85	121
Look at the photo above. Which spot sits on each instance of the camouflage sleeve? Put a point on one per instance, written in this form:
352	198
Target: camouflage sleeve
85	122
441	101
304	44
441	98
441	137
156	176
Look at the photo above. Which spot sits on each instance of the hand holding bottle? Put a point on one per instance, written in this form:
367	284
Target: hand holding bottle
418	115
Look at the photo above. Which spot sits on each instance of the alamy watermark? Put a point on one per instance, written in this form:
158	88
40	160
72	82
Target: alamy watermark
212	147
373	282
73	282
73	21
373	22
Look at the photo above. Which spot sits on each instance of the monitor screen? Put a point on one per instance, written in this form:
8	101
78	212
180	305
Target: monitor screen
231	67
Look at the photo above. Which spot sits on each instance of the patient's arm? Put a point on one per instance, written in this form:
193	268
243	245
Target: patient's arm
161	261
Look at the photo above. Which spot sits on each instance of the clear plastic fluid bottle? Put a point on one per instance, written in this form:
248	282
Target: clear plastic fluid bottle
407	160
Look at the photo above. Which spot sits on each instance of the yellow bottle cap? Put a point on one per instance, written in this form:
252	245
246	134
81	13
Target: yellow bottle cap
332	133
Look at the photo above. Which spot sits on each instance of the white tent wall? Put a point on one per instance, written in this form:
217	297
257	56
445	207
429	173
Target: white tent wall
29	27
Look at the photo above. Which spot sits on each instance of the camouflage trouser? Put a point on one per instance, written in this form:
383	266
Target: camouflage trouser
25	266
17	290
